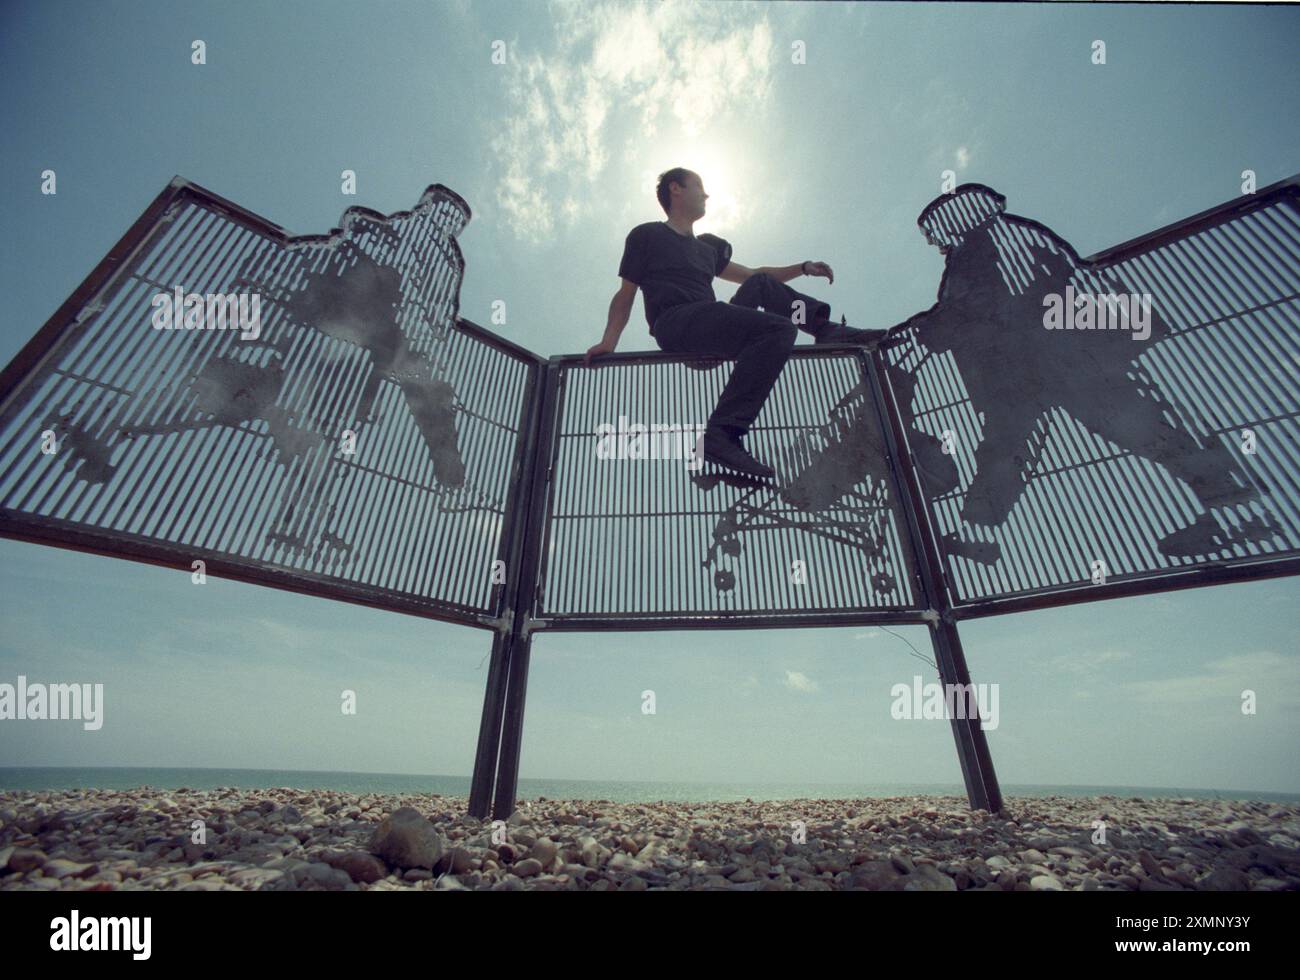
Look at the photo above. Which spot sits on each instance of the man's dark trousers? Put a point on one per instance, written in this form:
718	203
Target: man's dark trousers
759	340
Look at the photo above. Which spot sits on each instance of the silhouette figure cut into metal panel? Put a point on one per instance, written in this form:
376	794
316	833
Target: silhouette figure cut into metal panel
1031	328
343	396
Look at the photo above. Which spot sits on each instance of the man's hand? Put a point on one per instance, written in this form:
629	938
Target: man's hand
601	348
819	269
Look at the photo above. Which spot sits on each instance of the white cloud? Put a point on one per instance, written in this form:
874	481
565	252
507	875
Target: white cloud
1087	663
797	681
1274	677
617	77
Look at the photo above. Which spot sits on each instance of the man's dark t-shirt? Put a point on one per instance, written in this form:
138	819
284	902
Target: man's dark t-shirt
672	268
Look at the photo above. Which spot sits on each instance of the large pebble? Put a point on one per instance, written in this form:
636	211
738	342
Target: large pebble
457	861
544	851
26	859
927	878
831	861
405	839
874	876
60	868
1224	880
1149	864
592	854
527	867
360	866
321	874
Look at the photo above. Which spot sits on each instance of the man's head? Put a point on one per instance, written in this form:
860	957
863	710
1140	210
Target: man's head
947	218
681	191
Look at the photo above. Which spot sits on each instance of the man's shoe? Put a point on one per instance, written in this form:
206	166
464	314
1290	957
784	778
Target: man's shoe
725	450
841	333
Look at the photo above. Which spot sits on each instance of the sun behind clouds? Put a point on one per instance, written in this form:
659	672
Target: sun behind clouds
728	184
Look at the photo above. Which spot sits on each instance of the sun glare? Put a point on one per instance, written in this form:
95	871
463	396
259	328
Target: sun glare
721	182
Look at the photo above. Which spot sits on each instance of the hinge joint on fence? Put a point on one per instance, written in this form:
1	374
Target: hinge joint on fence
531	624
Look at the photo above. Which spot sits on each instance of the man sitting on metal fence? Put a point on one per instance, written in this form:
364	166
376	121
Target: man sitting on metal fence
674	269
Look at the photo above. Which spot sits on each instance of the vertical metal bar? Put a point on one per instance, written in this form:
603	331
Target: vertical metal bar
982	788
627	476
519	644
681	394
547	464
513	535
972	747
489	729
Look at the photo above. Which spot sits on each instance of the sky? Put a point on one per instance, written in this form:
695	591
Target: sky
557	151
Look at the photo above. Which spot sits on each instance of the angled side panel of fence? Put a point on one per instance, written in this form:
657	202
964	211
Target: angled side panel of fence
1074	446
641	533
314	416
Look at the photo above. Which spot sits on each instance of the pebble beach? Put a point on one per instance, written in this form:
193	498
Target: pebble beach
286	839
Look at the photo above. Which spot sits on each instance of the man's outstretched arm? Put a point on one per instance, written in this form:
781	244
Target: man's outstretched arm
735	272
620	310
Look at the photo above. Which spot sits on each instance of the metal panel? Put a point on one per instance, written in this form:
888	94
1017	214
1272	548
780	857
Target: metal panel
1078	458
351	438
650	533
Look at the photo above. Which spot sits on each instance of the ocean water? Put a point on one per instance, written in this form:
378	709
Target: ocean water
559	789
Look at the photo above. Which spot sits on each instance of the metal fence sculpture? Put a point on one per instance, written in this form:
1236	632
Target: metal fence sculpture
1104	387
668	541
297	411
311	413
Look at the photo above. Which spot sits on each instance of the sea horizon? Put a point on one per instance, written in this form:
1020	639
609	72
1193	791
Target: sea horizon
41	778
